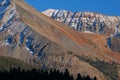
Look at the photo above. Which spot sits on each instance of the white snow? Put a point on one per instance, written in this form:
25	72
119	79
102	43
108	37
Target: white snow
7	42
83	17
3	2
13	13
1	27
29	50
49	12
88	32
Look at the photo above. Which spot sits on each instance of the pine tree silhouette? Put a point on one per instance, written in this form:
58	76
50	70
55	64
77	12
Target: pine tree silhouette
79	77
35	74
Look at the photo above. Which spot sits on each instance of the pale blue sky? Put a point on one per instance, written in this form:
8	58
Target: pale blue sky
108	7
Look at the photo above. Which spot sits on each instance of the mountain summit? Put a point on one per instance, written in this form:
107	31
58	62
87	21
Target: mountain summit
86	21
34	38
89	22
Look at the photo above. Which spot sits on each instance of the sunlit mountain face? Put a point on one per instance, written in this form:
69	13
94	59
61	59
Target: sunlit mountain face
91	23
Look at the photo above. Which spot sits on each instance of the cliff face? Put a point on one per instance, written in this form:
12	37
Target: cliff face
89	22
39	40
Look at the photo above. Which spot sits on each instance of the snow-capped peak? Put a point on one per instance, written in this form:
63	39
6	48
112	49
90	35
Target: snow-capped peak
85	21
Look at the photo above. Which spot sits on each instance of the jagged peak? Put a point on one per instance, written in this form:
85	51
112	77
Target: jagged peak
86	12
89	19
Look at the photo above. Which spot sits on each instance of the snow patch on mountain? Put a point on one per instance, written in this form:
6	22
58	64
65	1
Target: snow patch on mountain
85	21
89	22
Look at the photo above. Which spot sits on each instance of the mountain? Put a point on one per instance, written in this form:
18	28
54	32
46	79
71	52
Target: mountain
89	22
35	38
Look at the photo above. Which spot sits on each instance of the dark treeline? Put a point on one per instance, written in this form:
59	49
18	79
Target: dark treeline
18	74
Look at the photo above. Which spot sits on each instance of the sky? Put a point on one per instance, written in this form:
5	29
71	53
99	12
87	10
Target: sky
107	7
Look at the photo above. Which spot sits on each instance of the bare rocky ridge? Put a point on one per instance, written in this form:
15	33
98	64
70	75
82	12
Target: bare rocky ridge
39	40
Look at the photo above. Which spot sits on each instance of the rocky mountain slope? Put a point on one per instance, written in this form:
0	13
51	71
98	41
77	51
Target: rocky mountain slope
37	39
89	22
